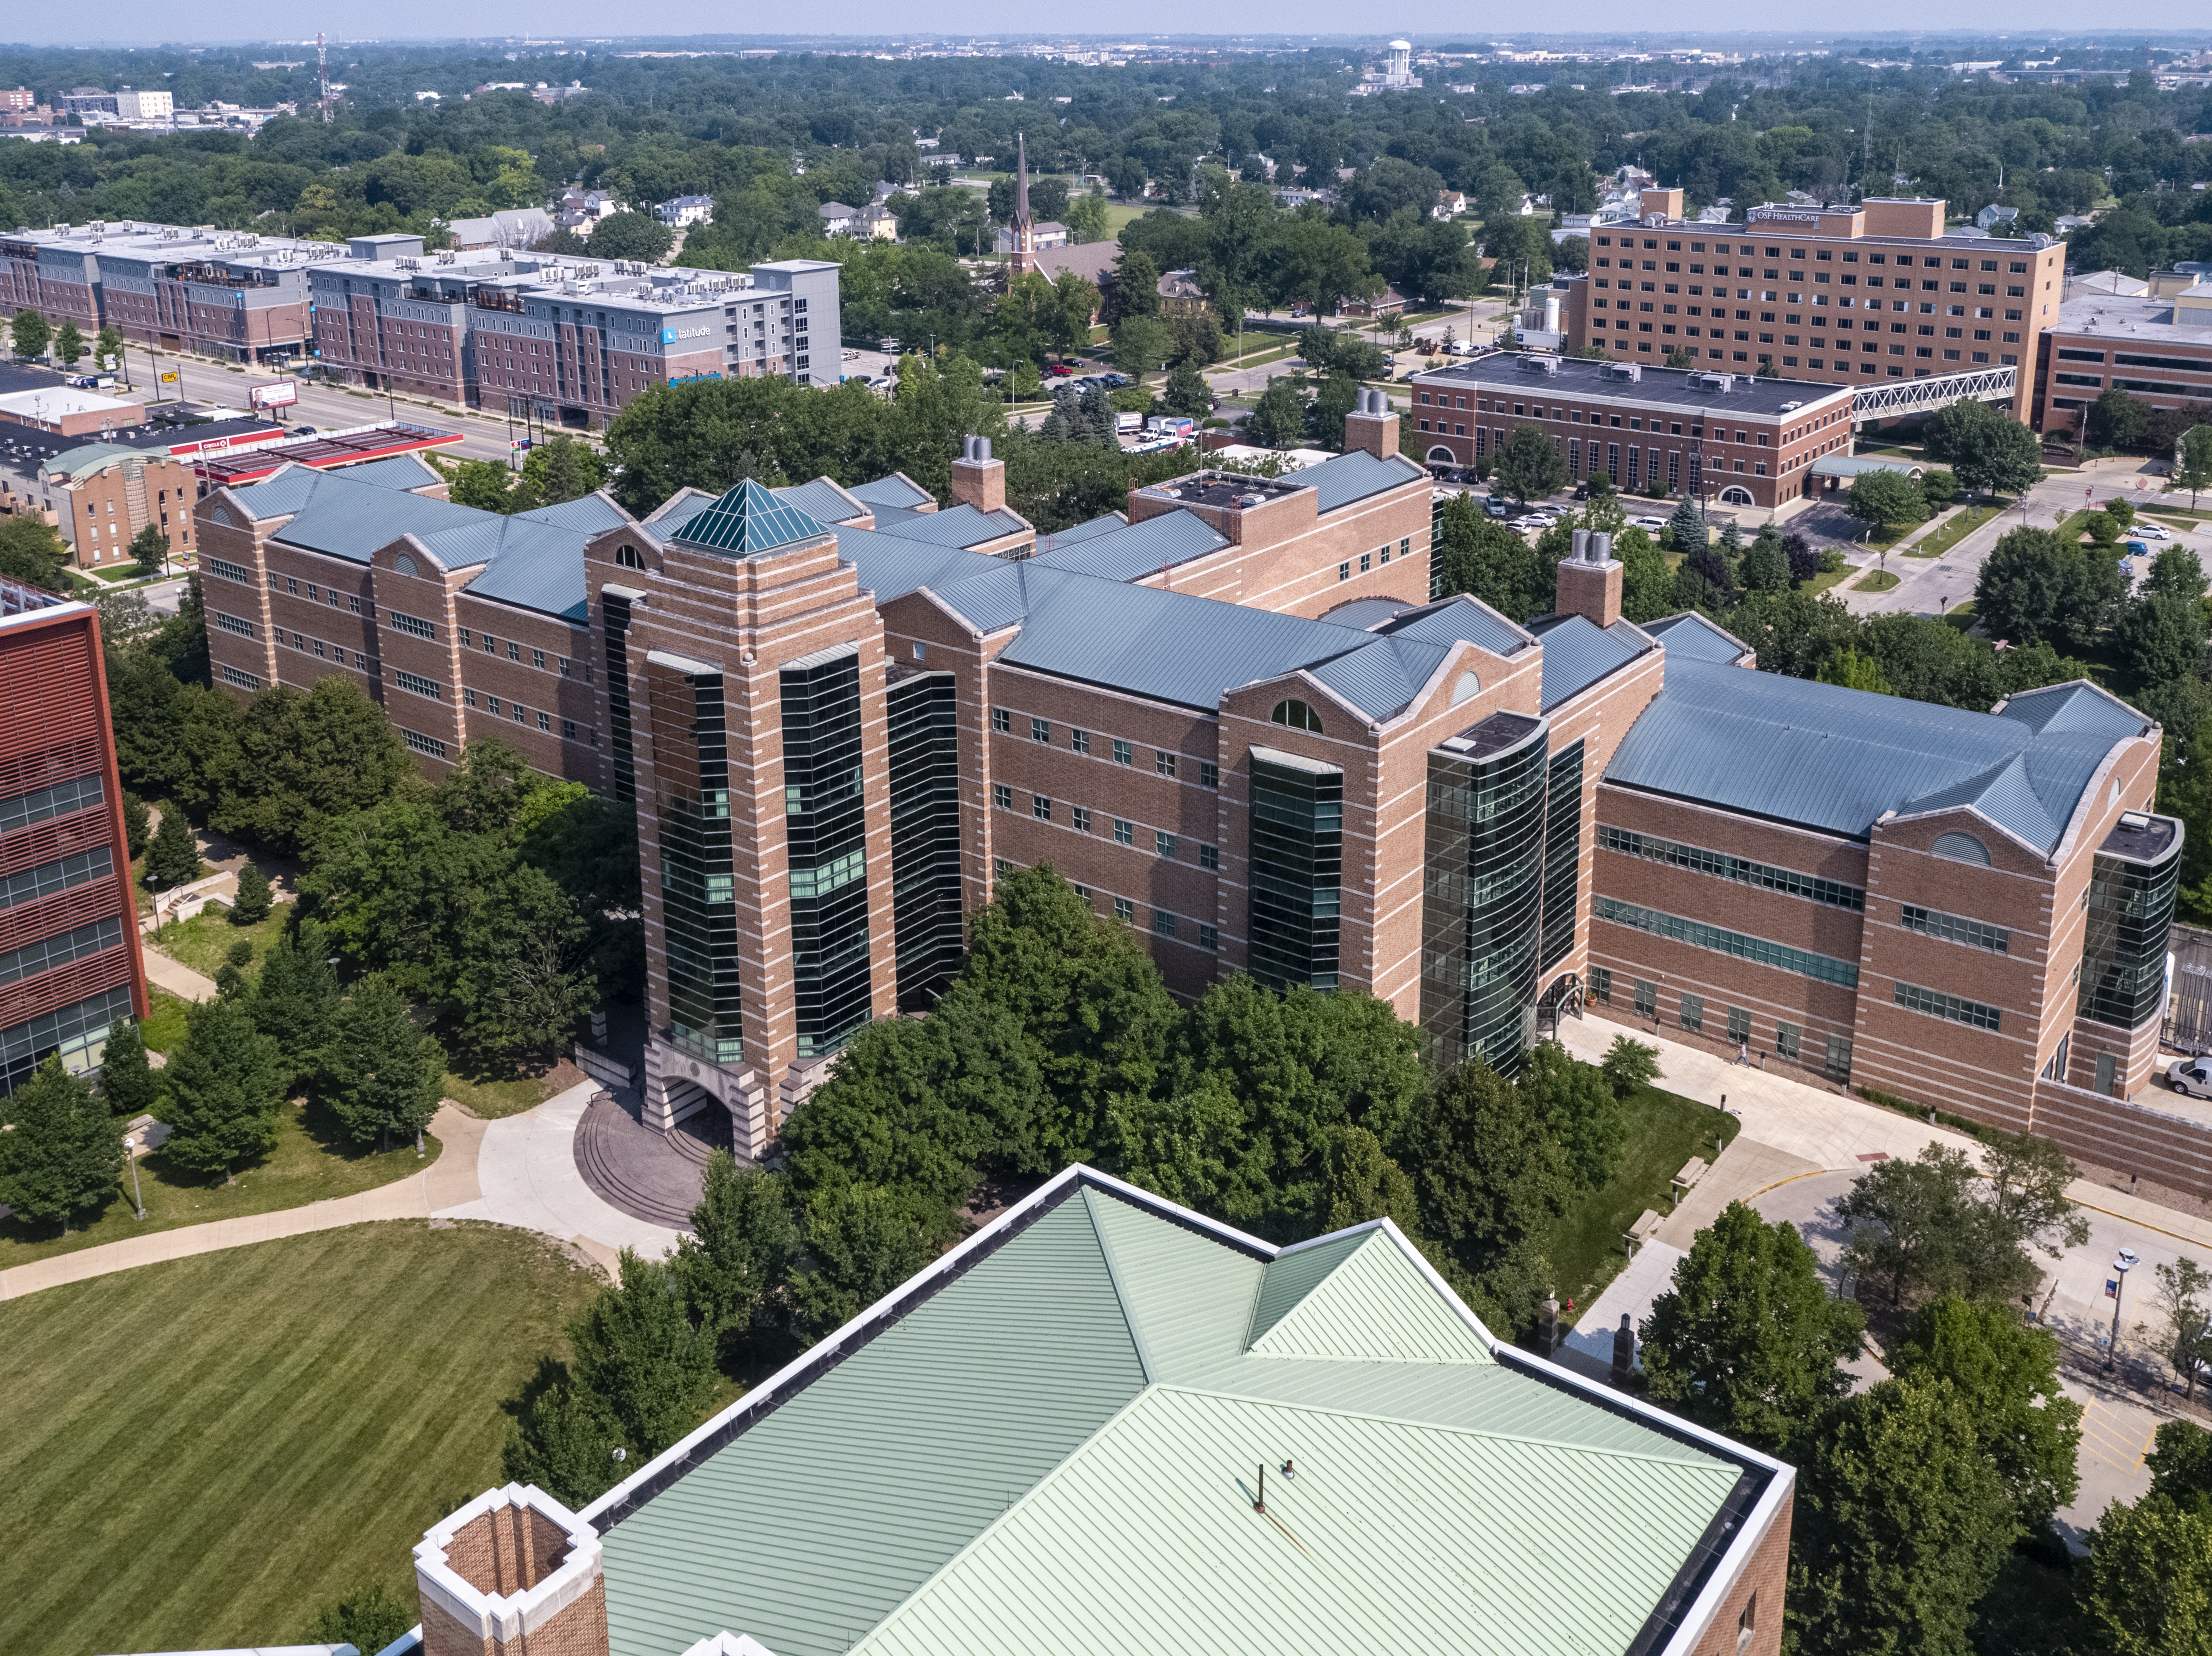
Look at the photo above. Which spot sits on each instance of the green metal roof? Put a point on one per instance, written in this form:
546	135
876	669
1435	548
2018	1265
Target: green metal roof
1050	1441
747	521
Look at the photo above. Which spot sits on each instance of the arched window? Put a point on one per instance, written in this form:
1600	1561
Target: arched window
220	514
1734	496
1297	716
403	565
628	557
1469	685
1442	456
1961	847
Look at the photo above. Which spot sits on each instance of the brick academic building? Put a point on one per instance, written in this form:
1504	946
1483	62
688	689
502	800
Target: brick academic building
1852	295
1233	717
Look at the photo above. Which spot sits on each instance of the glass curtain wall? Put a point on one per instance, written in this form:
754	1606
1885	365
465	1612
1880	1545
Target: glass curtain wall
615	620
1563	853
1297	868
825	832
691	746
1482	898
925	788
2131	891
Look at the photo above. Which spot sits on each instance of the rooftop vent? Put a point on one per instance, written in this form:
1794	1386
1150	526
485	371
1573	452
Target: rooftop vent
1539	364
1713	382
1624	371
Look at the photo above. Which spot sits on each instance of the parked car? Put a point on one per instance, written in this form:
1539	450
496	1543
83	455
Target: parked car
2152	531
2192	1075
1495	507
1582	492
1058	371
303	431
890	346
1654	524
1113	381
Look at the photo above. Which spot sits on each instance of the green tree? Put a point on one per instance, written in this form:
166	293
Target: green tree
369	1618
526	979
1142	345
31	552
1629	1065
381	1073
1901	1525
2034	587
110	347
1889	500
1986	451
1922	1226
1338	397
2192	468
1647	584
1364	1183
1749	1340
1529	467
2006	1372
733	1264
173	857
149	548
225	1086
137	825
291	761
2116	420
1765	566
252	906
69	343
296	999
1579	1108
860	1244
2180	1299
128	1085
1490	1180
2175	572
2161	638
2180	1464
1086	219
628	235
30	334
1278	419
640	1358
563	1440
2149	1587
1136	287
1685	530
60	1154
2027	1180
560	469
1186	392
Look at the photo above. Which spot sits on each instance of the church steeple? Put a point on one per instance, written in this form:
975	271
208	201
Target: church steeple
1023	233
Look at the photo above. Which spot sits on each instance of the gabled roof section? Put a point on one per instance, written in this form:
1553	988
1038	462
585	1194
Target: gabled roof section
1369	1305
1127	551
823	500
667	519
1697	636
342	516
2075	708
962	525
1112	523
896	490
1356	474
1382	677
1579	653
1453	619
747	522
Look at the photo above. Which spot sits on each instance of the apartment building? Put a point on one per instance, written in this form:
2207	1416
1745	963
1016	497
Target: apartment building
69	965
1728	437
2155	347
568	343
1233	717
1880	290
240	297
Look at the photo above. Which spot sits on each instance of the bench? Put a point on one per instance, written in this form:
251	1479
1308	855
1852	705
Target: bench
1639	1233
1692	1170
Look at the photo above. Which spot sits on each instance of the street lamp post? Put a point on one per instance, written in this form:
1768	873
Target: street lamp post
2127	1259
130	1154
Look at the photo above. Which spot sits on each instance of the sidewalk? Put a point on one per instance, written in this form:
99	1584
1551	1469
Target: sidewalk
172	974
1831	1132
452	1178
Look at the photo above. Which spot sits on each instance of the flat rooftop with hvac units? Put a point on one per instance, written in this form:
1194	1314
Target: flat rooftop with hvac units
1235	718
1106	1423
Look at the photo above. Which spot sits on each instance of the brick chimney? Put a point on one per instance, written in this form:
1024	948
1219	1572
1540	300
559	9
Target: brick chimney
1372	427
977	478
514	1571
1589	579
1667	203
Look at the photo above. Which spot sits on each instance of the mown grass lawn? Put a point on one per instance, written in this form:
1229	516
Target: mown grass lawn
494	1095
1950	533
164	1030
313	1161
204	941
202	1453
1665	1130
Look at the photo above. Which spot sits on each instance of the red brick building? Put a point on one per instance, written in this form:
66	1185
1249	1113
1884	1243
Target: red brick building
2157	349
69	965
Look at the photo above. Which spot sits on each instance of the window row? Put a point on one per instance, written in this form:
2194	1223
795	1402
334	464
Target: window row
28	885
570	730
42	804
1165	761
350	602
1083	821
1698	934
1951	1008
1820	256
1369	561
1165	925
1954	928
317	648
1721	866
1689	1013
563	664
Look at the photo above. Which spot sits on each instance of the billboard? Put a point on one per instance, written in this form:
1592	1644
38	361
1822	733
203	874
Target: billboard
277	393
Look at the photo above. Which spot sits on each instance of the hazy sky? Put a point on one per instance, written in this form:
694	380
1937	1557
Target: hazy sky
162	20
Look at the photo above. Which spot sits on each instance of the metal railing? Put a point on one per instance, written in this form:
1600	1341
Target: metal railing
1897	396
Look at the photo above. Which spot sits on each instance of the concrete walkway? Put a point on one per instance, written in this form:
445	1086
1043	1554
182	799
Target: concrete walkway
174	975
451	1179
526	1176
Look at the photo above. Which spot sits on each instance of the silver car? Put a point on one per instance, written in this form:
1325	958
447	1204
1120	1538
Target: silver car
2192	1075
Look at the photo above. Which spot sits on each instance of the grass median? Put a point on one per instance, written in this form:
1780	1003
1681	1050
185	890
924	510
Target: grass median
204	1452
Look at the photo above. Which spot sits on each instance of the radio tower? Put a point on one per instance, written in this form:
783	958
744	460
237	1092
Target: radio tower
323	76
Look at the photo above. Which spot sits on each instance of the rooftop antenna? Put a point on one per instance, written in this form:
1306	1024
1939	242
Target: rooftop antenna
323	76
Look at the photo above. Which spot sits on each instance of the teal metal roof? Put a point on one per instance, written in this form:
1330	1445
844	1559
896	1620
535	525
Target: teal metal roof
748	521
1050	1441
1690	634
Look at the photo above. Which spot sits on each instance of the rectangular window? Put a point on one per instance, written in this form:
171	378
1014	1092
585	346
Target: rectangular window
1209	773
1209	857
1001	720
1041	807
1739	1024
1722	866
1124	754
232	624
1951	1008
222	570
2107	1070
538	659
1083	819
566	665
1952	928
1692	1014
1366	562
1208	939
1164	924
1041	731
416	684
1698	934
468	640
1124	833
1079	741
1344	572
518	714
1081	889
411	625
425	744
491	644
1163	762
1002	796
1601	986
1647	999
1125	911
1839	1065
568	729
544	721
59	800
1786	1037
514	650
1164	845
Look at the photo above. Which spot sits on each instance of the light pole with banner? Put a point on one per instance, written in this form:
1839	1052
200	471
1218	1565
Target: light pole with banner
2116	1286
130	1154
